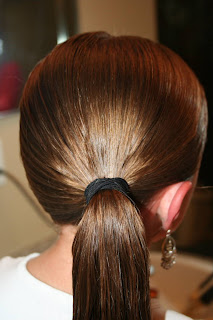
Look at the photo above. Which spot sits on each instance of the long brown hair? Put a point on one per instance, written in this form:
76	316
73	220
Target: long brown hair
102	106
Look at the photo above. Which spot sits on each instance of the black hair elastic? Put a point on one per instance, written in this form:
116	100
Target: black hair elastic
118	184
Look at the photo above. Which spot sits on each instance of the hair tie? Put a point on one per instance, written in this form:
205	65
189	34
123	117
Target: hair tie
118	184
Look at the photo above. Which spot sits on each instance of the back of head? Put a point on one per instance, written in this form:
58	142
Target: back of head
102	106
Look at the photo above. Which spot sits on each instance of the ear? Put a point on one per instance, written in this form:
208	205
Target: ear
170	203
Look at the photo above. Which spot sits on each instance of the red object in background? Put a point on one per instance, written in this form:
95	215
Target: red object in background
10	85
153	293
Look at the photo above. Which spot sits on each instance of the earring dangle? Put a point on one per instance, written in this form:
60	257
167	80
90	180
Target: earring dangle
168	251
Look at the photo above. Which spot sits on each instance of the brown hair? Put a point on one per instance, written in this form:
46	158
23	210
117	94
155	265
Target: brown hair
102	106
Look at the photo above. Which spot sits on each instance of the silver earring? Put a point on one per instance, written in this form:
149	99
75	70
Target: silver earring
168	251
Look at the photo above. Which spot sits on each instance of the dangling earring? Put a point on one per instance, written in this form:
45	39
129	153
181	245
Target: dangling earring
168	251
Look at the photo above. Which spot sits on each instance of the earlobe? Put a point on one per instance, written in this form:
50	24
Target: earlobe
171	203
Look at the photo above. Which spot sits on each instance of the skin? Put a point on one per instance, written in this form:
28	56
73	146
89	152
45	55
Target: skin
54	266
167	209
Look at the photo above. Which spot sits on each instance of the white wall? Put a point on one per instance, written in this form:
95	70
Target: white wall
21	229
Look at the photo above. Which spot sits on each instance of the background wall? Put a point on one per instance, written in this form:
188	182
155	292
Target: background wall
21	229
20	226
135	17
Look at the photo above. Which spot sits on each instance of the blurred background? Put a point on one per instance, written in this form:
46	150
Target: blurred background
29	29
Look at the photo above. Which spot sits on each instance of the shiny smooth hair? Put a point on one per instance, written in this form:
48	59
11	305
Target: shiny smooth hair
100	106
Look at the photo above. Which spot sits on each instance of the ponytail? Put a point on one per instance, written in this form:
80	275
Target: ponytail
110	261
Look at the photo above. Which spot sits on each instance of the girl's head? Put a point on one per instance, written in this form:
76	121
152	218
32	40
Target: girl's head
102	106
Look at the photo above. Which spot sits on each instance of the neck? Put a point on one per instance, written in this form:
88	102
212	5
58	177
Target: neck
54	266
